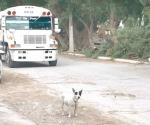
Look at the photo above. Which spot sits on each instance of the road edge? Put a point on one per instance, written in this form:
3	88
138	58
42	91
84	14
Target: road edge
111	59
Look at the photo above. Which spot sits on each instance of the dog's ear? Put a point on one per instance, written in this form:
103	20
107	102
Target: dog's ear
80	92
73	90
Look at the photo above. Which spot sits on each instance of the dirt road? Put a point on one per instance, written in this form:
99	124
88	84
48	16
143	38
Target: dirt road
113	93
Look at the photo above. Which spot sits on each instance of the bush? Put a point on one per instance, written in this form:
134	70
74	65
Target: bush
88	52
133	43
103	49
120	50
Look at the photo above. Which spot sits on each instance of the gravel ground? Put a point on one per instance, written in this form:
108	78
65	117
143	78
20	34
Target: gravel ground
113	93
42	105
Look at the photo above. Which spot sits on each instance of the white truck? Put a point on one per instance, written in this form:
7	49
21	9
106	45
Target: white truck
26	34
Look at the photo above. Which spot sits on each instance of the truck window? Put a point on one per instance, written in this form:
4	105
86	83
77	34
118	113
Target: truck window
28	23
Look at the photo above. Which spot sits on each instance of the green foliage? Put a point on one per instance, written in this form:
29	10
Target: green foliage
3	4
11	3
88	52
120	50
133	7
103	50
145	2
133	43
131	22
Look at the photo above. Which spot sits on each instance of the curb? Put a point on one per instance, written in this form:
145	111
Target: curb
104	58
74	54
124	60
121	60
110	59
128	61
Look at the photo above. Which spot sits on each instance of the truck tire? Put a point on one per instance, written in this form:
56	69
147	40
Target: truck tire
8	60
53	63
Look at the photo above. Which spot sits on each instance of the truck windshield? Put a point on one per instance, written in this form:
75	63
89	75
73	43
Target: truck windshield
28	23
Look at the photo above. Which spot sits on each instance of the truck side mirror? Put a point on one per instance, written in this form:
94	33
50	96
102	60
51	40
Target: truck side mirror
56	26
3	22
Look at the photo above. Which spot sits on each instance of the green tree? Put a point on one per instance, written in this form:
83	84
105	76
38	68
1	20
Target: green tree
89	13
3	4
64	9
11	3
146	10
145	2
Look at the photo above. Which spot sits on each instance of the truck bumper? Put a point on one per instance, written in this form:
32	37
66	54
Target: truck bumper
33	55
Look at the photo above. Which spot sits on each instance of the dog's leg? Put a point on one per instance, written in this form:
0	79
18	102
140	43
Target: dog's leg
75	109
69	111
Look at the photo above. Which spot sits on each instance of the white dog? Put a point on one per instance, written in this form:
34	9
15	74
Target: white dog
71	102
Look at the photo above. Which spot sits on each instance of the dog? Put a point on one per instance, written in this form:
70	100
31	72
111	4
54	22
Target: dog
71	102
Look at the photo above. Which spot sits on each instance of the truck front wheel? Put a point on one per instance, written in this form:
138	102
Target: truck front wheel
9	61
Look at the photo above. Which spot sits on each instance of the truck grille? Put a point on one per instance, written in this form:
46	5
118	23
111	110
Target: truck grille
34	39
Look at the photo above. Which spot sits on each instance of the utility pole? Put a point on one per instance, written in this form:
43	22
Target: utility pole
71	37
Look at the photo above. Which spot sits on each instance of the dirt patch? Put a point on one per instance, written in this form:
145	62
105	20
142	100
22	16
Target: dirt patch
32	101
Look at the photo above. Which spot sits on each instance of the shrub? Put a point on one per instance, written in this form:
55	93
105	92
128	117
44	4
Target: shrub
133	42
120	50
103	49
88	52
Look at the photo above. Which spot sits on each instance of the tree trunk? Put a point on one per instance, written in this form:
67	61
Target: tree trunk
89	30
113	22
71	39
90	38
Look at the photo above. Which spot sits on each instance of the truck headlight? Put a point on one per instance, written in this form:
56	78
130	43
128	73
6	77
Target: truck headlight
14	45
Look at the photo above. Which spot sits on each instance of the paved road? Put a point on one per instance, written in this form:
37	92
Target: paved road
118	89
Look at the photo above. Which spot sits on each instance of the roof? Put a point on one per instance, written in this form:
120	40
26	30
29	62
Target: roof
26	10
